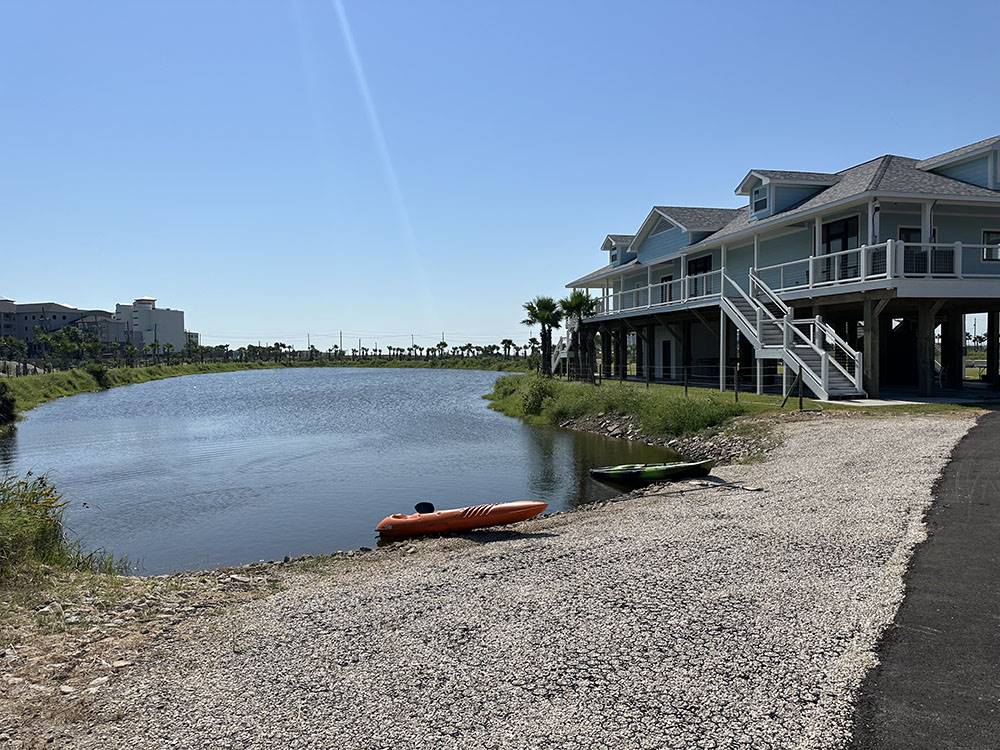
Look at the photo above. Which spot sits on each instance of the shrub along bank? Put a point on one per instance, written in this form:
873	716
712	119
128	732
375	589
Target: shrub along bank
659	413
32	532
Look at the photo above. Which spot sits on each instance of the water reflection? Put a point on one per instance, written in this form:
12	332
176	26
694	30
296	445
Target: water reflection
230	468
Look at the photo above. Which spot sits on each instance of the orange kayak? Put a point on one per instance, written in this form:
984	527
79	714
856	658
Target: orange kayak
400	525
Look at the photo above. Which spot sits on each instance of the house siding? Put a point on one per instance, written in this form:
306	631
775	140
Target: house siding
787	196
974	171
663	245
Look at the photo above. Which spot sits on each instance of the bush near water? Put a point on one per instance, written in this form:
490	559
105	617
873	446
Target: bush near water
32	532
548	401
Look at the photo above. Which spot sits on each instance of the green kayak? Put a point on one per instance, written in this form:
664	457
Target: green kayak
645	473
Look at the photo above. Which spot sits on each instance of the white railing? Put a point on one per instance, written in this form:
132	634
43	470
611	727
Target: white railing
558	352
678	292
814	332
866	263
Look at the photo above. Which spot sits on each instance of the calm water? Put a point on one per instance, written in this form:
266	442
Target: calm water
230	468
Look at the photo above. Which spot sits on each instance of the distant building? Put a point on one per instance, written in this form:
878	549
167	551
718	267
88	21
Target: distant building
30	318
8	312
142	323
147	324
193	338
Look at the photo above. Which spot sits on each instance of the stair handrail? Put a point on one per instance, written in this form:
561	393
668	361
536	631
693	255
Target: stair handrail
722	294
826	329
557	353
771	294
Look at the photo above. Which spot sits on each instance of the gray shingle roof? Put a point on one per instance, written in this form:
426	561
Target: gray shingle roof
889	173
698	219
822	178
957	153
620	238
903	175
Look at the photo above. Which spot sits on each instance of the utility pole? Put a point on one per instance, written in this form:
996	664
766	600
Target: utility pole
341	341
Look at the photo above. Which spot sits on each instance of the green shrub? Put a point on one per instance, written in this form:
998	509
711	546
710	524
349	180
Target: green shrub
32	532
535	394
505	385
658	412
99	373
8	404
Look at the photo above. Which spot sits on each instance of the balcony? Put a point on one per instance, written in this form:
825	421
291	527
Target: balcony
680	292
891	263
887	260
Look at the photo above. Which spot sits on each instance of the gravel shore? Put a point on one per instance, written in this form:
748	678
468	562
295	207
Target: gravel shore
691	616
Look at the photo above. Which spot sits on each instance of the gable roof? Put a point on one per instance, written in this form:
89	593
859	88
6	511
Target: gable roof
957	154
889	174
612	241
784	175
697	218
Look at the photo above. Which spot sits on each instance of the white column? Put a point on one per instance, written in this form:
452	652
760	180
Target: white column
817	248
684	284
649	286
722	349
871	222
756	252
925	232
760	375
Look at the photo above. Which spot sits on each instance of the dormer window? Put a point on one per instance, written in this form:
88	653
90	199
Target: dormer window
614	255
758	201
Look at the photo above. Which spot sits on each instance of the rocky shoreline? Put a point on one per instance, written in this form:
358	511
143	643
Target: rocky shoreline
745	439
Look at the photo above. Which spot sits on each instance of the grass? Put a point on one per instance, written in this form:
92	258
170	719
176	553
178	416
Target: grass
660	412
32	535
32	390
662	409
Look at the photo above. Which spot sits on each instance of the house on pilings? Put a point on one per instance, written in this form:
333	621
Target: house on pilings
857	282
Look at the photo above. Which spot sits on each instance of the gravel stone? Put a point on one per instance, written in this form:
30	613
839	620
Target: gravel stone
690	615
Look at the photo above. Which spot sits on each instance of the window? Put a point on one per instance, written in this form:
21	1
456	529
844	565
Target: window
991	237
839	237
759	199
614	256
667	290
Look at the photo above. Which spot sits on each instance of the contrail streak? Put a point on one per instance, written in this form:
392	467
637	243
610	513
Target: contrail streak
383	149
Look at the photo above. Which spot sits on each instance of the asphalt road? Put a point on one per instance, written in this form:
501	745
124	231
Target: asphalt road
938	684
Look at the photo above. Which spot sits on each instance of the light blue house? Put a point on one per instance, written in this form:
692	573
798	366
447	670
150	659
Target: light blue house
844	279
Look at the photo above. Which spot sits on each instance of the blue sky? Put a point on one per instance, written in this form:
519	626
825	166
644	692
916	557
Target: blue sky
429	165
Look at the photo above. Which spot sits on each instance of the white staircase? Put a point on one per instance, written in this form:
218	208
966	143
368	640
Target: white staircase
828	365
559	354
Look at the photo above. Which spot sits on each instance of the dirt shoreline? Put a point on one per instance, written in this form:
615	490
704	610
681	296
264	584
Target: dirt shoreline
815	576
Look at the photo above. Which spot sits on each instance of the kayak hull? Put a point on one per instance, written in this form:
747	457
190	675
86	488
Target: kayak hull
456	520
638	474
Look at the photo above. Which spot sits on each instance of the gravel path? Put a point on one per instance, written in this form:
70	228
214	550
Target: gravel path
704	618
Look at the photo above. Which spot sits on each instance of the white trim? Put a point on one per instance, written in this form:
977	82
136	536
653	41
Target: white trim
983	238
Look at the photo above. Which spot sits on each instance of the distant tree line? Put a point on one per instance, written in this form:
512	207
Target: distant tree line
75	347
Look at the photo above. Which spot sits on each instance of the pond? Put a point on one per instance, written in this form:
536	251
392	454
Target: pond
229	468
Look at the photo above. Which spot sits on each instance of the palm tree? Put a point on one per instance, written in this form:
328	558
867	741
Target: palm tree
532	345
442	345
168	349
577	306
545	313
507	345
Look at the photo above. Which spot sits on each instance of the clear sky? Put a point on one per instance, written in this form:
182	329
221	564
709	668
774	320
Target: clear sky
277	168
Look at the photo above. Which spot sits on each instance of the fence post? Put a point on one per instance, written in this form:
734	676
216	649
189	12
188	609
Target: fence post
958	259
736	382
